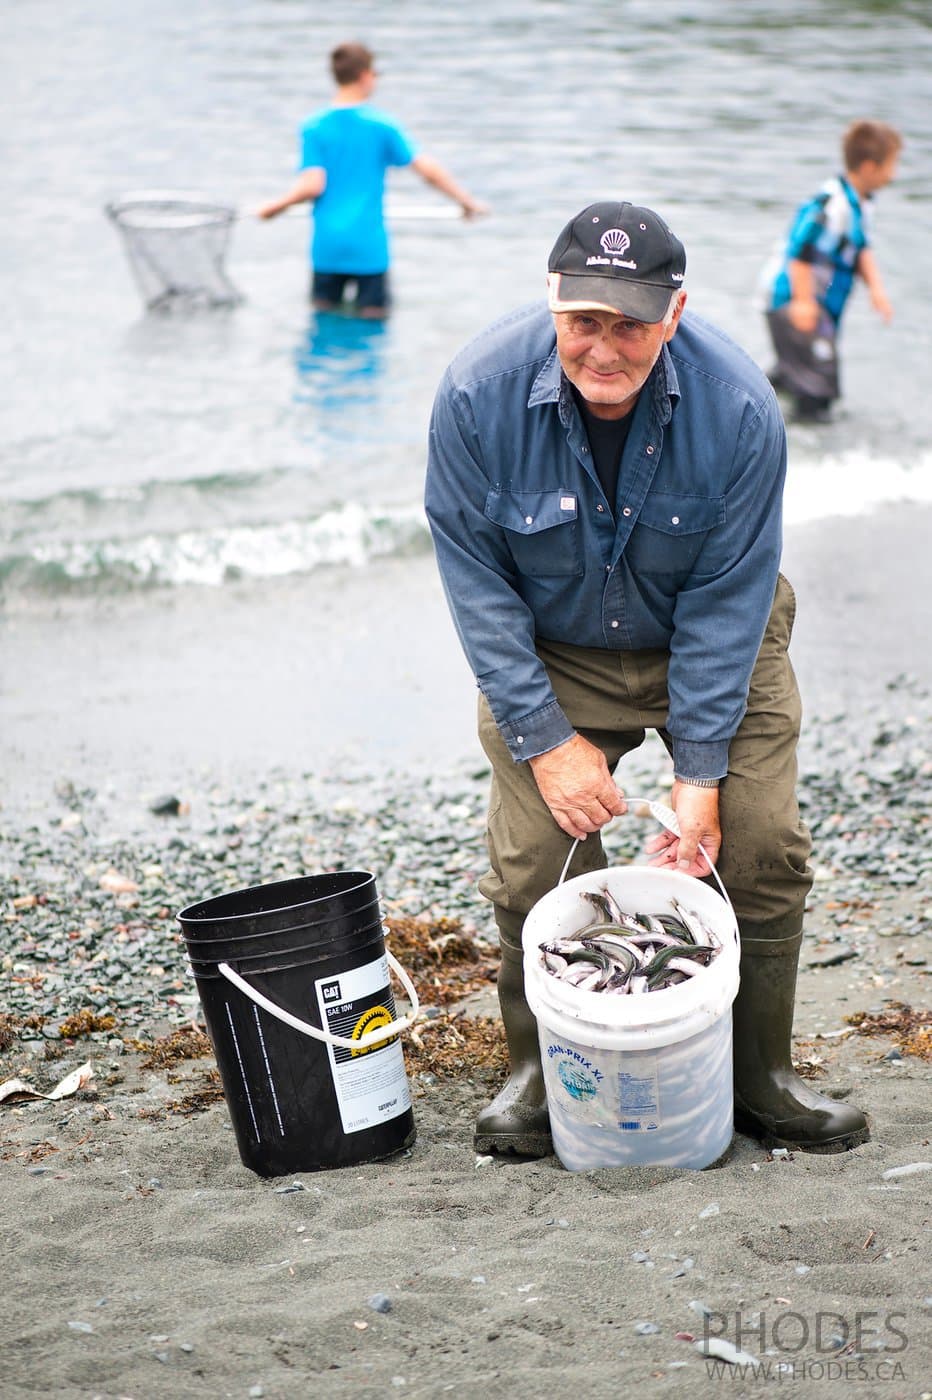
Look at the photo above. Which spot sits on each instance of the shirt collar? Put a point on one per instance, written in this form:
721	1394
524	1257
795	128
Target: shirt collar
552	386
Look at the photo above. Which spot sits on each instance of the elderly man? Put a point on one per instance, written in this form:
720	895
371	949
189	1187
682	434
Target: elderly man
604	490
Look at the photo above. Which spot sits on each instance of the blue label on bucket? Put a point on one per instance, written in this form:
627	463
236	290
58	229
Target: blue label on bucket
370	1083
577	1083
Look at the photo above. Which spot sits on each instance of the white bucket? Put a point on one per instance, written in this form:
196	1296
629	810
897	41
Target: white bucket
636	1080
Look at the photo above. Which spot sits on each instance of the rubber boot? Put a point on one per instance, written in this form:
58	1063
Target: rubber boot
812	410
772	1103
517	1120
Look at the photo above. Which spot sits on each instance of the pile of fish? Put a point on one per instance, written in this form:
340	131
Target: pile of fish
629	954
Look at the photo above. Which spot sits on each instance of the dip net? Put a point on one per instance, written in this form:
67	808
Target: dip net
176	245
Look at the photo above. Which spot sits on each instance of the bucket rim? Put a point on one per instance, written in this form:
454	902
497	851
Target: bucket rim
365	877
322	948
192	939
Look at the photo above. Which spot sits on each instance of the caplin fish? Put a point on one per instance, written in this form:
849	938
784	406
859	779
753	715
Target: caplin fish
624	954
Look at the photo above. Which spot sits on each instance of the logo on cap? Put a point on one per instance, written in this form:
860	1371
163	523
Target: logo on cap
615	240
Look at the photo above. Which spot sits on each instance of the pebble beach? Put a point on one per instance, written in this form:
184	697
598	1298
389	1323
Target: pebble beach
144	1260
225	660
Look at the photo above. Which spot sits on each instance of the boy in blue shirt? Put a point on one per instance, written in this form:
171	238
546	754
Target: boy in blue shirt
828	246
345	152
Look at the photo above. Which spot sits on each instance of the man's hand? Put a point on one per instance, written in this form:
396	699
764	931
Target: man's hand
576	785
696	809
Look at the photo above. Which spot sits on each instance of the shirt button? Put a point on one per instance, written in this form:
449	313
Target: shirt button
614	624
675	520
608	568
529	520
626	511
600	509
585	451
650	450
520	739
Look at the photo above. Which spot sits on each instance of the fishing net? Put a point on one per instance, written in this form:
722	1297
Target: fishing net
176	245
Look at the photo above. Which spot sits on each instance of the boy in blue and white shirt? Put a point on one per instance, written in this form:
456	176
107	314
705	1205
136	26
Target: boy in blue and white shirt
828	246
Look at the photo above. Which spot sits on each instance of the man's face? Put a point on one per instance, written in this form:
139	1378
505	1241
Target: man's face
608	357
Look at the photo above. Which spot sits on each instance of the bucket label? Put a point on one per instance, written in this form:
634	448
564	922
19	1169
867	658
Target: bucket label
574	1078
639	1094
370	1083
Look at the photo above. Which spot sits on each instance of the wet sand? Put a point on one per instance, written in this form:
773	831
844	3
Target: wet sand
144	1260
160	688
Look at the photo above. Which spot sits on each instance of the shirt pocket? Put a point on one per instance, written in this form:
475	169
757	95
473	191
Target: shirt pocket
541	529
671	530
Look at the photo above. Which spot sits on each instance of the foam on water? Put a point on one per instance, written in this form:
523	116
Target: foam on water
350	536
42	553
852	483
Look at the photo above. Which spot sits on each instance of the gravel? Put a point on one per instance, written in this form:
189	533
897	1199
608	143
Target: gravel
89	889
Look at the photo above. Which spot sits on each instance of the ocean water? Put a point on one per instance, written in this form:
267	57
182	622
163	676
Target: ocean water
144	451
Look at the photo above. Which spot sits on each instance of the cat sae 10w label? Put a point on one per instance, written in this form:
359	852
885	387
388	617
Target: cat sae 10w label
370	1083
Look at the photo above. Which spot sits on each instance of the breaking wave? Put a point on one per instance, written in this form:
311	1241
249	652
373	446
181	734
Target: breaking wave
351	536
271	524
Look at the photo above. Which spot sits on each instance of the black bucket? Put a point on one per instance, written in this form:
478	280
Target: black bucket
293	979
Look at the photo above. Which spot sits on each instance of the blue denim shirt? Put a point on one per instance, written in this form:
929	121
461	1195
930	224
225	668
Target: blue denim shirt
685	558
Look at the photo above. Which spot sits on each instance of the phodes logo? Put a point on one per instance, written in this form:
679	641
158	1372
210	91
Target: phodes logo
615	240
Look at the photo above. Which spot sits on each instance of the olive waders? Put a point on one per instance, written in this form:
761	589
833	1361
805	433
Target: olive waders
517	1120
611	698
772	1103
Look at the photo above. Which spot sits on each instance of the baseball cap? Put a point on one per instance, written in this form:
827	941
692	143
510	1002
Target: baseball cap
616	256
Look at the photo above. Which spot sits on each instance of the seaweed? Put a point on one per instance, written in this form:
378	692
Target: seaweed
911	1029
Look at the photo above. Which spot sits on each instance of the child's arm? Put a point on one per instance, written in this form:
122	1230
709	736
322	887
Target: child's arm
870	273
437	175
308	186
802	308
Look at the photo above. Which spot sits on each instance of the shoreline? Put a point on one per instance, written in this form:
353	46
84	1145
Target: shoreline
362	671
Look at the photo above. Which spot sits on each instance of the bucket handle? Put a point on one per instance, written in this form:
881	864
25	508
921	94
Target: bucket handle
374	1037
666	817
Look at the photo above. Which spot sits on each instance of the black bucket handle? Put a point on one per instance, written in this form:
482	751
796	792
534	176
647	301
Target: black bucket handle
374	1037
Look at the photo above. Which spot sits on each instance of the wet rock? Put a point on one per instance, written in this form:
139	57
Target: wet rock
166	806
831	957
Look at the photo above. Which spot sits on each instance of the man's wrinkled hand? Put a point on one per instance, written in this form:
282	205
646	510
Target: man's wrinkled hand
574	781
696	811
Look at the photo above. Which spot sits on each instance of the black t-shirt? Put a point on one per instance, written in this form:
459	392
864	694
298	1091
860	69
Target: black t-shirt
607	438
